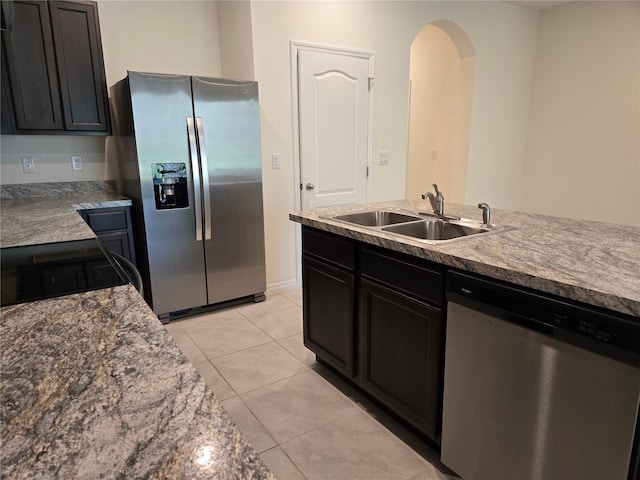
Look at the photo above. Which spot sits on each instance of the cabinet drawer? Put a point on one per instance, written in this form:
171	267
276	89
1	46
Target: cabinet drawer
406	275
328	247
101	221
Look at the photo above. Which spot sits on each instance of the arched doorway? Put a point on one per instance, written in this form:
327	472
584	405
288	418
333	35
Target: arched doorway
441	88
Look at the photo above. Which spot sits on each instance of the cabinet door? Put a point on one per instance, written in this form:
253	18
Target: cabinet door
31	67
114	229
328	313
100	274
78	47
117	242
7	127
61	280
400	355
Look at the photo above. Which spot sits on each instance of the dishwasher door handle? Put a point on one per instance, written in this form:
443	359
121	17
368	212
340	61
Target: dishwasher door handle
529	323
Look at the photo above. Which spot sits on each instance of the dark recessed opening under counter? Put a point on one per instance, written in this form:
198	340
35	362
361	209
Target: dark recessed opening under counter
37	272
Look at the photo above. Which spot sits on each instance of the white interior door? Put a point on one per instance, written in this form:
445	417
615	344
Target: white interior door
334	111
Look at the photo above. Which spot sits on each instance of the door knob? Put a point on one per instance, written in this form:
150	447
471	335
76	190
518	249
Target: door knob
310	186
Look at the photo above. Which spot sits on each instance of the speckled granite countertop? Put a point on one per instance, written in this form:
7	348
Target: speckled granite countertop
92	386
38	220
591	262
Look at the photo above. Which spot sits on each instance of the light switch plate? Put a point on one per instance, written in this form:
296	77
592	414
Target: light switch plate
275	161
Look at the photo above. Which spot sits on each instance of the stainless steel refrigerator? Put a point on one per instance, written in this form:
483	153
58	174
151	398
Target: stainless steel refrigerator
189	156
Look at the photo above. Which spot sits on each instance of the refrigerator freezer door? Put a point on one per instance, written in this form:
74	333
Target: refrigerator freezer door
230	123
161	104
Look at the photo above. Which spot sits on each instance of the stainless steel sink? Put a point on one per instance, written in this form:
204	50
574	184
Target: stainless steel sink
426	227
435	230
377	218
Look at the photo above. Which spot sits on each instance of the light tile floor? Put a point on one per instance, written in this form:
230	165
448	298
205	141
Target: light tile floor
304	420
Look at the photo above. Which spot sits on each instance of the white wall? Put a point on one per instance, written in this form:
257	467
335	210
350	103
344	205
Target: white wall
434	72
503	36
236	39
52	157
583	158
159	37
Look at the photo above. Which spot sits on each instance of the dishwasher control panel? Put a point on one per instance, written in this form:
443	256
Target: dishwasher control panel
547	314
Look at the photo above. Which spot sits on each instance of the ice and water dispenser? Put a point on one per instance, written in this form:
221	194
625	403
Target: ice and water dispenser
170	185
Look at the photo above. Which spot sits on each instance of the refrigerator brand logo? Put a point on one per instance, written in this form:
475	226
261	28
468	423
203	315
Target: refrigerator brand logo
466	291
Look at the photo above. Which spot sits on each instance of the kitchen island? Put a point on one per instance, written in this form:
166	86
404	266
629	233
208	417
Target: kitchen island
591	262
501	348
91	384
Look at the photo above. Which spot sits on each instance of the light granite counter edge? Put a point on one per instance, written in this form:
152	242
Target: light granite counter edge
41	220
434	253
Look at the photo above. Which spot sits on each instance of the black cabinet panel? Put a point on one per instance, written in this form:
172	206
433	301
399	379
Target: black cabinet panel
58	280
118	242
328	304
113	228
410	276
76	35
31	65
53	278
53	57
400	350
100	274
102	220
7	122
330	248
375	315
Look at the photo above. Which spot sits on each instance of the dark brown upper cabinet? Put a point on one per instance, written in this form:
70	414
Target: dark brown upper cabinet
55	80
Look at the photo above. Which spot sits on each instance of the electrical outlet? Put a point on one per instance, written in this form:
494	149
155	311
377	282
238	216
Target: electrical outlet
275	161
76	163
383	158
28	165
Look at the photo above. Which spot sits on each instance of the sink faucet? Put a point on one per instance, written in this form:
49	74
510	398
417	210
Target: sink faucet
437	200
486	213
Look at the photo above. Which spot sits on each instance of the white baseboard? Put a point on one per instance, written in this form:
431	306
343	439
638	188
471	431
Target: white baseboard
279	287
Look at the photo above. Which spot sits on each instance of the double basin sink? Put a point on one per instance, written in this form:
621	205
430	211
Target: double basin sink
427	227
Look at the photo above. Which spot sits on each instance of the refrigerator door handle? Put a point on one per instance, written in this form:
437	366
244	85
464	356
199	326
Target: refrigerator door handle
195	170
205	179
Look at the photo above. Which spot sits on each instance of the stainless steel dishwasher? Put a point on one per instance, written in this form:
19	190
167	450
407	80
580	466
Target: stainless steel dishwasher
536	387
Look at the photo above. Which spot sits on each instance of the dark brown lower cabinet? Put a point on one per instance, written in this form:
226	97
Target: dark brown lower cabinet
328	303
113	228
400	351
377	317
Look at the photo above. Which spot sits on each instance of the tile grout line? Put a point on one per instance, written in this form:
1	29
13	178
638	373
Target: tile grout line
304	370
308	370
233	353
269	313
297	467
360	408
